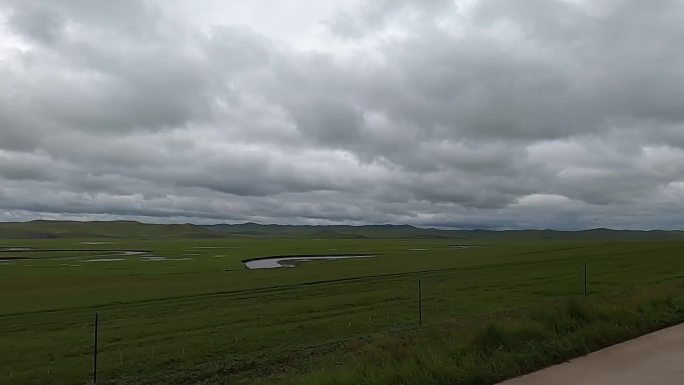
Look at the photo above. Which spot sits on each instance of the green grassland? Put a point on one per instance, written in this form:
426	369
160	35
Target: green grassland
199	316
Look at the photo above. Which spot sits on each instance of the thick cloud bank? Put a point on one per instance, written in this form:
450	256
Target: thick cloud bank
494	113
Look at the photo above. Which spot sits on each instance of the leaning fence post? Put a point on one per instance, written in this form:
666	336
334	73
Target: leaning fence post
95	352
420	303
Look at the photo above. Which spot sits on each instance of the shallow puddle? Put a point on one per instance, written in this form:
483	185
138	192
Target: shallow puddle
153	258
134	252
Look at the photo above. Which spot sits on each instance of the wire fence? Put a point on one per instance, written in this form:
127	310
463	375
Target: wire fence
244	331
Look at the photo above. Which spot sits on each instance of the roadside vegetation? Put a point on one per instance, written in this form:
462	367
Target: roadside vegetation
486	350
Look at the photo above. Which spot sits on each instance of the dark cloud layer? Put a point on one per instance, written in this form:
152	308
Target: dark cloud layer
546	114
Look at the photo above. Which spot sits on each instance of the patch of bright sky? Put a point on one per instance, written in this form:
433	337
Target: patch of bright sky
299	23
9	44
543	200
302	25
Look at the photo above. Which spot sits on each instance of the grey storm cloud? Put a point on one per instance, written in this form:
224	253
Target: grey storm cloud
481	113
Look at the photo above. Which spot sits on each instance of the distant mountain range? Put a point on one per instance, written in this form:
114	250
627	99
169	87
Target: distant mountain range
42	229
96	229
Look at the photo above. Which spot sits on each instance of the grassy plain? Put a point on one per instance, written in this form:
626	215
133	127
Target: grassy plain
200	317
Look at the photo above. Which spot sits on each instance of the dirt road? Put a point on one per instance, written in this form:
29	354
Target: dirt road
653	359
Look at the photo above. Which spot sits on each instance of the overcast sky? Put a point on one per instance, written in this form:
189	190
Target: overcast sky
563	114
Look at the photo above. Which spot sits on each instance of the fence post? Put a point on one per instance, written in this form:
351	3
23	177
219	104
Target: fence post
420	303
585	278
95	352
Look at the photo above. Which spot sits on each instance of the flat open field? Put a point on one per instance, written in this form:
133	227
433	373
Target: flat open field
188	311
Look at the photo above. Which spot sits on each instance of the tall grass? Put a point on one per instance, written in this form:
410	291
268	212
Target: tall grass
486	350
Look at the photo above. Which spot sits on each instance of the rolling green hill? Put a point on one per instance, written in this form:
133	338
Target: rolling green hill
43	229
411	232
114	229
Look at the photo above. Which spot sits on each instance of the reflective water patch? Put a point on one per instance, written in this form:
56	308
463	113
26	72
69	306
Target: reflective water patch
276	262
